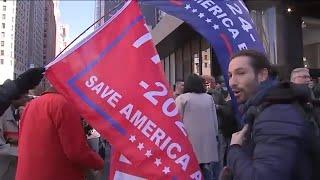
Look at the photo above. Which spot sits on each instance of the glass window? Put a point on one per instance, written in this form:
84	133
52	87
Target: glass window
3	25
172	69
195	49
206	62
2	53
187	65
206	57
4	8
2	43
179	65
267	30
163	64
167	67
3	16
1	61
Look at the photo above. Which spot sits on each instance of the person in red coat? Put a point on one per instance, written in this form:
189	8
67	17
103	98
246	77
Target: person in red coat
52	143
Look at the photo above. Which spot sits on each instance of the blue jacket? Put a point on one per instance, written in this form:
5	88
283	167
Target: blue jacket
278	146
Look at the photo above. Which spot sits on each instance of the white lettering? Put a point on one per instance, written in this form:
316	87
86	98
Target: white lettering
127	111
196	175
137	120
207	3
114	99
235	33
98	87
148	127
165	143
221	15
91	81
235	9
244	6
216	10
170	148
242	46
181	127
166	105
158	135
105	92
225	22
183	161
245	24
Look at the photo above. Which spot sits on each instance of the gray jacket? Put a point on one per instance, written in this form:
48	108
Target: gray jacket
8	129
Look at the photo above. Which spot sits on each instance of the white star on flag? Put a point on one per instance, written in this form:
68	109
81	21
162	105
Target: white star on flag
194	10
157	162
201	15
166	170
208	20
140	146
132	138
215	27
148	153
187	6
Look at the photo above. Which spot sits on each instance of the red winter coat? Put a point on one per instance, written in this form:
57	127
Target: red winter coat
52	143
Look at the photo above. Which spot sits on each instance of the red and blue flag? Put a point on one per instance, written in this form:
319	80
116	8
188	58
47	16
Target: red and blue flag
115	80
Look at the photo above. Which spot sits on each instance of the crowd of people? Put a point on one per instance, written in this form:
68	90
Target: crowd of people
272	133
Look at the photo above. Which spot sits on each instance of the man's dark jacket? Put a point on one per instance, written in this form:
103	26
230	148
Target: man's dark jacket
278	145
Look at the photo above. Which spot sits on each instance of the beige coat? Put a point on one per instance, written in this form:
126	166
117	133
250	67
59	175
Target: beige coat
8	153
200	119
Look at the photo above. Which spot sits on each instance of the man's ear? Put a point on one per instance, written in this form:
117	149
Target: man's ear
263	75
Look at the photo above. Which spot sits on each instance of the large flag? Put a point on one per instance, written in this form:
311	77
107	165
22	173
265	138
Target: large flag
115	80
226	24
123	169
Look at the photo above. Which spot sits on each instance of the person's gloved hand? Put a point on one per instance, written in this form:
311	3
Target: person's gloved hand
29	79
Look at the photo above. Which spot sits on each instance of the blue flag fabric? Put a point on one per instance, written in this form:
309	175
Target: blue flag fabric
225	24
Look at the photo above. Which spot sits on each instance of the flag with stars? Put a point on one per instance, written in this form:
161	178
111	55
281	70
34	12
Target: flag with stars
115	80
225	24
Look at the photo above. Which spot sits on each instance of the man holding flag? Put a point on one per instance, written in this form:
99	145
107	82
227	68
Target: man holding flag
115	80
52	143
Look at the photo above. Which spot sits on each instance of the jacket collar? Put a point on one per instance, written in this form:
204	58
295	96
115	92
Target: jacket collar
256	99
50	90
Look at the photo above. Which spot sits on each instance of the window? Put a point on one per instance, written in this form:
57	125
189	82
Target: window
2	43
3	25
4	8
1	61
4	0
3	16
2	53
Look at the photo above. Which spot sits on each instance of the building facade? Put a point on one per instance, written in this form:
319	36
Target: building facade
108	8
49	36
22	36
62	30
289	31
36	33
62	37
7	43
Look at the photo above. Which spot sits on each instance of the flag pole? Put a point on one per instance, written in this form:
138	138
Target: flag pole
89	28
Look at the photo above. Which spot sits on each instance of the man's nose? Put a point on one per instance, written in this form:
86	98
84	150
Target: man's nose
233	81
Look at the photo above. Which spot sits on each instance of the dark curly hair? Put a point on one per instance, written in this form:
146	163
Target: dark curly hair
194	84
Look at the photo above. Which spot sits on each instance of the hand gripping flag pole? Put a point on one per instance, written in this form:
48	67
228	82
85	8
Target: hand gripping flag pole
114	78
